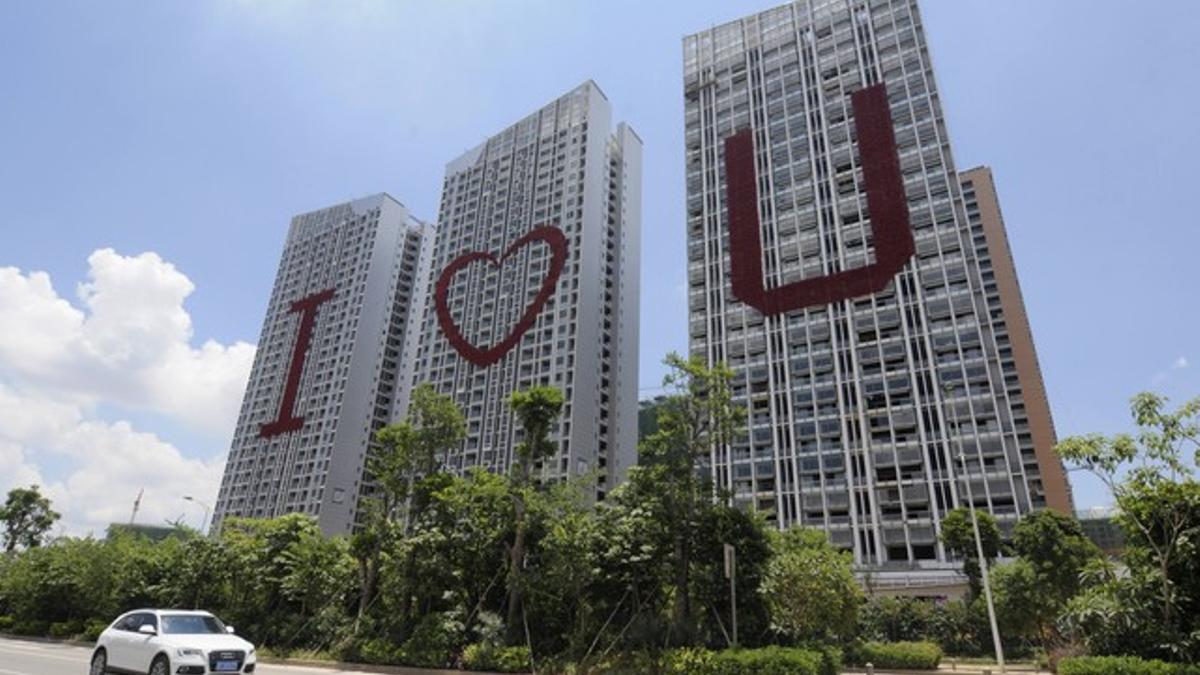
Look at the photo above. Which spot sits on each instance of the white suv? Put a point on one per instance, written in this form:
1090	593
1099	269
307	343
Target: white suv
171	642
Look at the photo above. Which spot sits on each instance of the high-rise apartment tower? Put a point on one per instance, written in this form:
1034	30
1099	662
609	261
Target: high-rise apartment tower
535	282
861	292
333	354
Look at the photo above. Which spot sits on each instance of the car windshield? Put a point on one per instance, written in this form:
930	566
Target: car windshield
191	624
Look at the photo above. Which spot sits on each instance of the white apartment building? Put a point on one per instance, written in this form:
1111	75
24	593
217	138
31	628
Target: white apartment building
534	281
868	311
333	354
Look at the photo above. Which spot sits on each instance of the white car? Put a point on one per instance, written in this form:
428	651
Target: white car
171	642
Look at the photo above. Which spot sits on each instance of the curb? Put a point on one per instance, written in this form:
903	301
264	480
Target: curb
366	667
47	640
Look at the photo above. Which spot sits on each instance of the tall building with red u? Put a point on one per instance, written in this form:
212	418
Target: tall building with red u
861	290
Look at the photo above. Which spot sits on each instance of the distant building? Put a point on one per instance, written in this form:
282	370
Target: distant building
648	410
1101	526
151	532
535	281
860	288
332	363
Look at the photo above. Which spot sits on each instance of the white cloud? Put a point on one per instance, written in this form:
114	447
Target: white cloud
1162	376
130	347
127	345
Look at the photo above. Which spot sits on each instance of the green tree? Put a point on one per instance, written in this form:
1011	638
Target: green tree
460	545
961	627
696	418
959	537
896	619
810	589
1033	591
750	536
402	453
1057	548
316	574
27	517
1024	608
537	409
1151	476
563	566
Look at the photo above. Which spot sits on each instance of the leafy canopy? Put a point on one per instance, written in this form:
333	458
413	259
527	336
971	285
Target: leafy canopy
26	516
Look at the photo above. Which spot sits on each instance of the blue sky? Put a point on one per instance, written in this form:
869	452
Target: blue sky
195	130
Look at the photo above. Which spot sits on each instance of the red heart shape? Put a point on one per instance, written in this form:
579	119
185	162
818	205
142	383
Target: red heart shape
552	237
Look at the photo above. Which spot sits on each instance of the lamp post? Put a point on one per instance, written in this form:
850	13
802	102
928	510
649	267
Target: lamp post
204	522
983	566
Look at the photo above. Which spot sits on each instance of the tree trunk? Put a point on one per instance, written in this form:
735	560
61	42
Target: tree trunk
683	600
516	563
367	574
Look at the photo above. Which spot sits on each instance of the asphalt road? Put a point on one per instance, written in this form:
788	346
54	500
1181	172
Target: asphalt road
18	657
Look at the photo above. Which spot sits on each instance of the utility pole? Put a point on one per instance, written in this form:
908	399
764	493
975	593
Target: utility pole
983	566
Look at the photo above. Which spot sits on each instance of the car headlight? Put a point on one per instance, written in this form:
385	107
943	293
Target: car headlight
188	651
251	652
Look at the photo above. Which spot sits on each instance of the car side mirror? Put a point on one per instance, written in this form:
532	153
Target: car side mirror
147	629
229	629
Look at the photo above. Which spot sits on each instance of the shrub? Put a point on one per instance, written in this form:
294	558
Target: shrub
6	623
489	656
92	630
767	661
762	661
1122	665
436	636
831	660
65	629
31	627
905	655
687	660
378	651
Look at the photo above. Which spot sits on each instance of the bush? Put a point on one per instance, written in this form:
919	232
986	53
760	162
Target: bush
1122	665
896	619
768	661
436	636
831	660
6	624
904	655
31	627
377	651
65	629
488	656
687	660
764	661
92	630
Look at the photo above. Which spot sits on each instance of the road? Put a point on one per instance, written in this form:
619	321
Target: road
18	657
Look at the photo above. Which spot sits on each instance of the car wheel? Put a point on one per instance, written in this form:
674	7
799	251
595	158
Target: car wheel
160	666
99	663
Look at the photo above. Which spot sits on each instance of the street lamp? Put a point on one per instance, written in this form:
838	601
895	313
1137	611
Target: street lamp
983	566
204	522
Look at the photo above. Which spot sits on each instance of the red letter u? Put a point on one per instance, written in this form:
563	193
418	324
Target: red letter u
886	205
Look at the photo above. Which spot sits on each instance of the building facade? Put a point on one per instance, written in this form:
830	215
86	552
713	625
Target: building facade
334	352
855	285
535	278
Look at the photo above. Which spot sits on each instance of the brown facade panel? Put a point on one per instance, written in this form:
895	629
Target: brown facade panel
1029	373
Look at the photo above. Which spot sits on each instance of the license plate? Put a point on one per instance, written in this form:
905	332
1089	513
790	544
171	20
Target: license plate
227	666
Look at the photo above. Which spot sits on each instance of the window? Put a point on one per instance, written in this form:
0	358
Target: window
192	624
